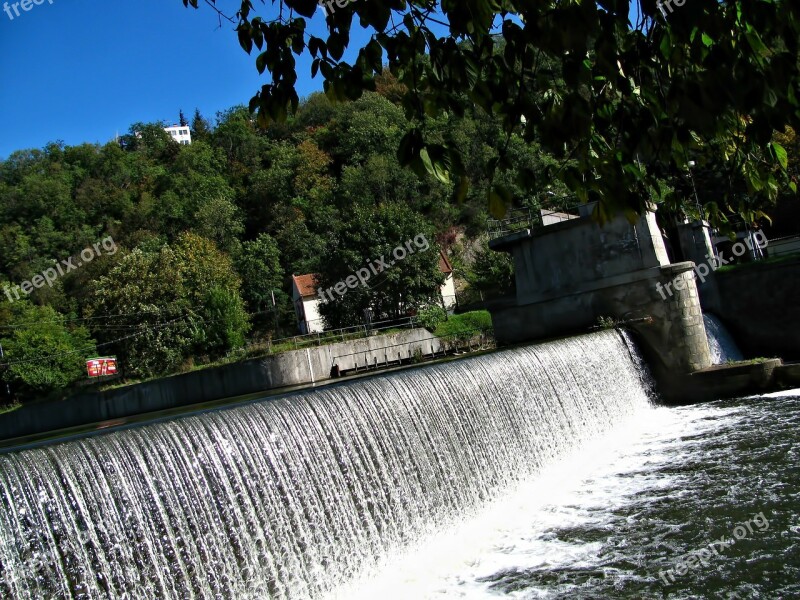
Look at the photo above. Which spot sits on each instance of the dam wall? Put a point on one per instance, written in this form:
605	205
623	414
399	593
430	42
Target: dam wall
296	367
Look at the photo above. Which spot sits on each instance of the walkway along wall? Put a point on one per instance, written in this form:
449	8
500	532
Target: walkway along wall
296	367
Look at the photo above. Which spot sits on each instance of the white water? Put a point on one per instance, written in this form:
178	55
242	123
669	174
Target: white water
520	535
299	496
720	342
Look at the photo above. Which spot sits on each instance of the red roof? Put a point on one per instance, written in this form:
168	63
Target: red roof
444	264
306	284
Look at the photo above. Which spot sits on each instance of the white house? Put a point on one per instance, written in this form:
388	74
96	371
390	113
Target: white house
180	134
306	300
448	289
306	303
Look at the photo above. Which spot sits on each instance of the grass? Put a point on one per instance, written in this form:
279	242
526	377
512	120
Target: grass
464	324
753	361
758	263
7	408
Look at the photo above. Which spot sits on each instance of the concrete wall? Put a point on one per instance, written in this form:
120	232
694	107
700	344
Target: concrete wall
555	260
569	274
760	305
784	246
247	377
670	327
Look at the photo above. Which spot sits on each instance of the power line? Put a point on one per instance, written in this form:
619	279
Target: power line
87	348
149	327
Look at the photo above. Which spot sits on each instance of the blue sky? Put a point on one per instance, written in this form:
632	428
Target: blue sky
83	70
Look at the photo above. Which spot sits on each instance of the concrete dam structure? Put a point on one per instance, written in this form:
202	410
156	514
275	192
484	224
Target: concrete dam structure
571	273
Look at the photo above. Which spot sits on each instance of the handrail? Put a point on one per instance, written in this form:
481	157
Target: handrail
520	219
322	337
472	333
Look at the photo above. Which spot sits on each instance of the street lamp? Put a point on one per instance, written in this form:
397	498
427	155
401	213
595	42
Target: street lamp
691	164
8	387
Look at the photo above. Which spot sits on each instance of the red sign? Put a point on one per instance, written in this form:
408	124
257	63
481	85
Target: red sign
99	367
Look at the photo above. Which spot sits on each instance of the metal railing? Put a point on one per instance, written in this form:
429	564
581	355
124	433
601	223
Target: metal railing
520	219
322	338
473	340
517	219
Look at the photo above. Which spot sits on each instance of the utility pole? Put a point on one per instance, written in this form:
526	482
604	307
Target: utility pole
275	313
691	164
8	387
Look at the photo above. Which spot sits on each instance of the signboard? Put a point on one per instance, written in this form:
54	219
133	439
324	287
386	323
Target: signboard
99	367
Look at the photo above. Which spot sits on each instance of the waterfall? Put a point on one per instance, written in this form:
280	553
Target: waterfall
291	497
720	342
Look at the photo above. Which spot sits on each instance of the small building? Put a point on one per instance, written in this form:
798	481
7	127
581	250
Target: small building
448	289
306	303
180	133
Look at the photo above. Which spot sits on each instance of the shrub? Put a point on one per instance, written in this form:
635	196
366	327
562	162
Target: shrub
431	316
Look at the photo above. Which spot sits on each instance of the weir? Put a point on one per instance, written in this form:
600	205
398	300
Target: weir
292	497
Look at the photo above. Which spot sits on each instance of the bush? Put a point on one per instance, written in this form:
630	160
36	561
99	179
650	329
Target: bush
462	326
431	316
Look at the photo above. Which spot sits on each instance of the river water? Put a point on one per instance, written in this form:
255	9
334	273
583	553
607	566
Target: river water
617	518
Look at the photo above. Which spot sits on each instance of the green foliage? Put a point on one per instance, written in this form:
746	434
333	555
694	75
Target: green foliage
258	263
147	303
44	351
226	322
623	104
465	325
431	316
492	273
606	322
170	302
372	234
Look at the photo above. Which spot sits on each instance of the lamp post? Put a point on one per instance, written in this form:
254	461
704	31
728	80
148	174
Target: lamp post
8	387
275	312
691	164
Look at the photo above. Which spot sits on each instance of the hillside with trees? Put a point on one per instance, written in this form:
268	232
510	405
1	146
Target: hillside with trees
206	234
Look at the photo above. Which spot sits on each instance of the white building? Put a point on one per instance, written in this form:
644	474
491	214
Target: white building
180	134
448	289
306	300
306	303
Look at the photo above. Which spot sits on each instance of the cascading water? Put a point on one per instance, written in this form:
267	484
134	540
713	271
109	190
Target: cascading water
720	342
295	496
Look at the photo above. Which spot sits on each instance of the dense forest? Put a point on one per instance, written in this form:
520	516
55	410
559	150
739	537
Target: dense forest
169	256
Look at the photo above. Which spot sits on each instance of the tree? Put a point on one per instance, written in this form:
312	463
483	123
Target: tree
182	119
625	91
259	265
142	308
404	272
202	268
219	220
226	323
201	128
492	273
44	351
156	306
